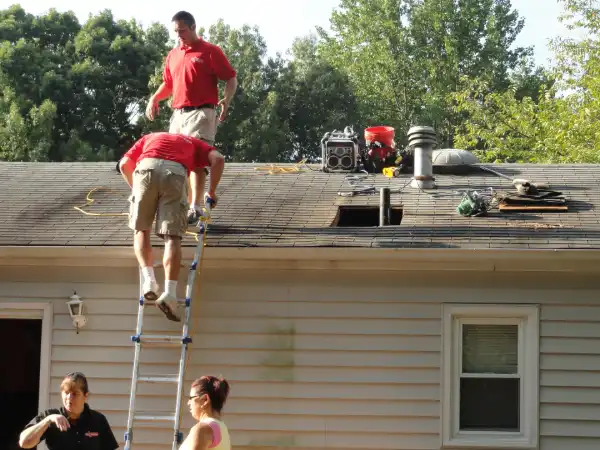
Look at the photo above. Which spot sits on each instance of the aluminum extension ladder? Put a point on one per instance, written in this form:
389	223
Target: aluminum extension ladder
140	339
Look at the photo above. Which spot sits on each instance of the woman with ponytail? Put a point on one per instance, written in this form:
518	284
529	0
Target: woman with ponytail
208	395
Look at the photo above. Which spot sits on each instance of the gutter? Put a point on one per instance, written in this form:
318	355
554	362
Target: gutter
324	258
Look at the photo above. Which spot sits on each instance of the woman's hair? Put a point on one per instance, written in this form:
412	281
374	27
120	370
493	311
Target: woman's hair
217	390
75	380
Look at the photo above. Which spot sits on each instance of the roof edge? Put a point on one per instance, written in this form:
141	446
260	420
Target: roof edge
323	258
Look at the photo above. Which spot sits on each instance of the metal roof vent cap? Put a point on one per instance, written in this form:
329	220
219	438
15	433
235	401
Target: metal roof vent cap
423	140
453	157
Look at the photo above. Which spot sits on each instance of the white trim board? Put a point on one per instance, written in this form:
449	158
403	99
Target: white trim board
43	311
313	258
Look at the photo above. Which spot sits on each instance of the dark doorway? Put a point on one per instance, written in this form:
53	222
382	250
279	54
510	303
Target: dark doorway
20	348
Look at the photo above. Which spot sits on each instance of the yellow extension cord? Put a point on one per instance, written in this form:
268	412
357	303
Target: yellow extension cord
273	169
89	201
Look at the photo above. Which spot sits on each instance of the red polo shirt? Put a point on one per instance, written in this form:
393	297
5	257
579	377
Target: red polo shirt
193	73
190	152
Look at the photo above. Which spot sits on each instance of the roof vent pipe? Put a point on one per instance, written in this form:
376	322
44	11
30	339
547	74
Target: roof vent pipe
423	140
385	208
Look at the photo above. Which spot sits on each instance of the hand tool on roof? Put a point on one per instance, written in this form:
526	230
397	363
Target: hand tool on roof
140	339
522	185
474	203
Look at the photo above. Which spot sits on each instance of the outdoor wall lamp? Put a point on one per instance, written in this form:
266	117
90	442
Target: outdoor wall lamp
76	311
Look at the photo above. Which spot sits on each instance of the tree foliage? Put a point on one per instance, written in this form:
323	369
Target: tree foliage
70	89
558	124
405	57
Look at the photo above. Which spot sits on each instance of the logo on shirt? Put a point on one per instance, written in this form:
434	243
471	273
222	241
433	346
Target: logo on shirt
197	59
91	434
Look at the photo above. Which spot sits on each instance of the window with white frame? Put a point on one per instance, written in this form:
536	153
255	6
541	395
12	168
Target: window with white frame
490	376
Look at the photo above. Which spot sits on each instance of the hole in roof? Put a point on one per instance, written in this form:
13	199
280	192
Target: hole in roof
363	216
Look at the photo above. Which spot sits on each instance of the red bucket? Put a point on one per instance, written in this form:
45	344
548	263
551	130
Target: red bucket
382	134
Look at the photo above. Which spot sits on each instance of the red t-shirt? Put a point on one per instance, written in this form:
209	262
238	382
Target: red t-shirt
193	73
192	153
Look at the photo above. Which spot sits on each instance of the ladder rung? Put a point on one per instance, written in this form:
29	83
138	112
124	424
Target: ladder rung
180	302
158	378
160	339
154	418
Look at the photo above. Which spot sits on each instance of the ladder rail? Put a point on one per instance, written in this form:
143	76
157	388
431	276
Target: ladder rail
185	339
198	254
136	365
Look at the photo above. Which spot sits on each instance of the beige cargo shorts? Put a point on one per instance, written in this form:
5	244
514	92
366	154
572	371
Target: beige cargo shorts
198	123
159	192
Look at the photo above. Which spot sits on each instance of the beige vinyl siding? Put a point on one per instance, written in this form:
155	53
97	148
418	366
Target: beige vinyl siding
293	383
316	360
305	372
570	375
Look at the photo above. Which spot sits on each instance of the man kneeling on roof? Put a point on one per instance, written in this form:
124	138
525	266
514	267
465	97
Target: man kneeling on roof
156	168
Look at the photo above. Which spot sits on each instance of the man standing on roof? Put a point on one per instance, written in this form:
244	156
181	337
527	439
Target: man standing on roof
156	168
191	75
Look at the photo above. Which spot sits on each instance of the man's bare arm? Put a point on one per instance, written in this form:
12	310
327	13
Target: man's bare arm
230	88
162	92
217	165
127	167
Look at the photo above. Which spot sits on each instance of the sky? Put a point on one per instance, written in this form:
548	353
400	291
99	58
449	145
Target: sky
280	21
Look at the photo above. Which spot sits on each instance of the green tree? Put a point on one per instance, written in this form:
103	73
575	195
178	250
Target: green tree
89	79
405	58
25	138
241	136
556	125
315	98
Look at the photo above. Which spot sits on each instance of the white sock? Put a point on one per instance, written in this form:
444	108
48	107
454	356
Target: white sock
148	273
171	287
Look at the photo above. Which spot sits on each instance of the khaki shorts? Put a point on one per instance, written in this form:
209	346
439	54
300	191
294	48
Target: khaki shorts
159	191
198	123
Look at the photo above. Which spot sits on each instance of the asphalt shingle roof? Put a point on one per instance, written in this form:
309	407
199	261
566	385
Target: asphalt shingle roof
256	208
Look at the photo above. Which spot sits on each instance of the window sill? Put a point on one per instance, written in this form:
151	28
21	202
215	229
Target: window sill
488	441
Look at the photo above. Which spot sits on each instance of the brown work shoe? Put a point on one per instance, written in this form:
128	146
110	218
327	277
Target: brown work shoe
168	304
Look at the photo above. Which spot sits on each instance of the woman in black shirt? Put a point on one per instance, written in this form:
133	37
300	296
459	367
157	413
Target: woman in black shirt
75	426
